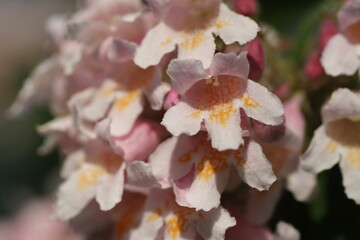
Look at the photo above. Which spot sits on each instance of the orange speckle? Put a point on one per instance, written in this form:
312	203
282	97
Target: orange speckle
187	156
193	42
222	113
221	24
124	101
155	215
212	163
174	227
127	220
331	147
89	177
239	159
249	101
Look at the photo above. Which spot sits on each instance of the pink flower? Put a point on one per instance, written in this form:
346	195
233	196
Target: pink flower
341	54
217	98
197	42
165	219
337	140
96	170
199	174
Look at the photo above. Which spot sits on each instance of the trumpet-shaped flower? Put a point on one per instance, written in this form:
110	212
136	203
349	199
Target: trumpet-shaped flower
96	170
120	101
342	53
164	219
199	174
217	98
198	41
337	141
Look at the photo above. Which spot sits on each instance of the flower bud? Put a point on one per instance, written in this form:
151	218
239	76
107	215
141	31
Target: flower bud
246	7
256	59
171	99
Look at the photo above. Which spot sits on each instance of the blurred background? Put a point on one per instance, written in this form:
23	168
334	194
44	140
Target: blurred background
24	174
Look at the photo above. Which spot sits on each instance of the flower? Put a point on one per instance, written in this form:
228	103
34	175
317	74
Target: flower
98	170
342	53
198	41
199	174
217	99
163	218
337	140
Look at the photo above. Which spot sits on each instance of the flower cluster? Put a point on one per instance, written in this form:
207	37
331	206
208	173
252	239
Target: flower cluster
160	110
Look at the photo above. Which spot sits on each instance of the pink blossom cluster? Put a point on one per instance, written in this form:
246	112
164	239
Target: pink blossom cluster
166	129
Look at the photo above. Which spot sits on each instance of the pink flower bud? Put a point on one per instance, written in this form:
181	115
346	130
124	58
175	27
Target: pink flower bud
256	59
171	99
268	133
328	30
246	7
313	69
282	91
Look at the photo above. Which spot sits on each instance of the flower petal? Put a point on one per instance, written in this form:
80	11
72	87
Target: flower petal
343	103
203	187
233	27
230	64
183	119
173	159
36	89
110	189
350	168
253	166
185	73
156	92
322	153
156	43
78	190
200	45
226	134
101	102
260	104
140	174
213	224
72	162
286	231
261	205
302	184
127	107
339	57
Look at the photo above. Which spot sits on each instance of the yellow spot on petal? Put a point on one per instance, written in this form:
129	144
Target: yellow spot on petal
193	42
353	155
249	101
89	176
173	227
221	24
194	115
178	223
331	147
155	215
106	92
124	101
167	41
